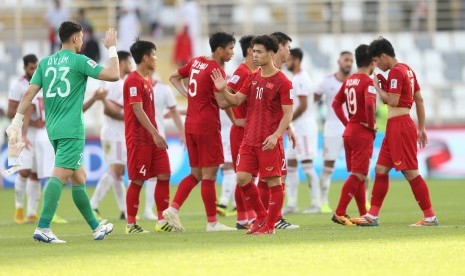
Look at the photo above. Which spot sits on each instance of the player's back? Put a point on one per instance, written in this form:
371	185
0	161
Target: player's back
63	78
403	82
356	92
202	109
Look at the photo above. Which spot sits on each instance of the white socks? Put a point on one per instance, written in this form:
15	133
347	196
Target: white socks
101	189
325	182
313	182
150	195
228	187
120	194
292	186
33	190
20	191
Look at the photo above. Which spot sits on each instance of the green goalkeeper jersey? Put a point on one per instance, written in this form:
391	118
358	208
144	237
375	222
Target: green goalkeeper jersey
63	78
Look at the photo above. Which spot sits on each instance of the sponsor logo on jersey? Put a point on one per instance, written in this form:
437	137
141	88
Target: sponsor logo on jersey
269	85
371	89
234	79
394	83
92	63
132	91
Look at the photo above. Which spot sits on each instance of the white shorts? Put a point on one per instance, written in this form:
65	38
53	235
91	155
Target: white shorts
114	152
332	147
27	154
306	148
226	144
44	154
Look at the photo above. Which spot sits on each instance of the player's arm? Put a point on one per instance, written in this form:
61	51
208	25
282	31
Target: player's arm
145	122
338	101
220	84
112	110
111	71
176	80
270	141
370	107
230	114
391	99
12	108
174	114
99	95
420	107
303	105
222	102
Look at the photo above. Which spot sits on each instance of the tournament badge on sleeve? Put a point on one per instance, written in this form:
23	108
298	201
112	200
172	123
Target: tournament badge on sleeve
15	147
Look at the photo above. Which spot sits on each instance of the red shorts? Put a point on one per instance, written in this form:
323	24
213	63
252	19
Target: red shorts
254	160
204	150
235	139
147	161
358	153
399	148
284	166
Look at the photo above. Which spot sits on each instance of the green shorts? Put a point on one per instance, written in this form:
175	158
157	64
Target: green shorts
68	152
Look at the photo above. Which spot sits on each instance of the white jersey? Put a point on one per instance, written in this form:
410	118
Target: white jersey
302	86
18	89
164	98
112	129
329	88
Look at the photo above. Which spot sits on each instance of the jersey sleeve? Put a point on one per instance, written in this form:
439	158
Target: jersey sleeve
133	88
285	93
237	80
395	81
37	76
370	104
340	96
416	85
15	93
184	70
302	87
320	88
245	88
338	100
88	67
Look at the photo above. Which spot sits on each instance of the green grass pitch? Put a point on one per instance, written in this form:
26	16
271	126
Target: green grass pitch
319	247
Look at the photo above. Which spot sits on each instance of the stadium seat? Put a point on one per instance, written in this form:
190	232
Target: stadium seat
442	41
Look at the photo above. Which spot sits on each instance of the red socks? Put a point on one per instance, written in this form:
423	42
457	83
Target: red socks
240	206
162	196
360	198
184	189
132	202
252	198
275	206
264	192
348	191
208	192
421	192
380	189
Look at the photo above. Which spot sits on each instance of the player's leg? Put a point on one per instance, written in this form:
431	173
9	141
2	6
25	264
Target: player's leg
103	186
119	188
228	186
150	185
20	192
161	195
292	178
332	148
33	190
309	153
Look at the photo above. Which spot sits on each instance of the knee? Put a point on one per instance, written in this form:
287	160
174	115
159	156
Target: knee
410	174
360	176
165	177
382	169
292	163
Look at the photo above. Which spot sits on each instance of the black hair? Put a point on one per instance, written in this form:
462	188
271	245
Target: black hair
67	29
31	58
281	37
123	55
270	42
297	53
141	48
345	53
362	56
381	46
220	39
245	42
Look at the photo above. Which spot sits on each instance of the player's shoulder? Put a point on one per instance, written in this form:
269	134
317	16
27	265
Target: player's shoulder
283	79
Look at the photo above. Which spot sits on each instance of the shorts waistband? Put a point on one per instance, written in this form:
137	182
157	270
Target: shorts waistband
399	118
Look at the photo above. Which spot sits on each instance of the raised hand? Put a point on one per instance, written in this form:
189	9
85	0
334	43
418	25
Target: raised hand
110	38
218	80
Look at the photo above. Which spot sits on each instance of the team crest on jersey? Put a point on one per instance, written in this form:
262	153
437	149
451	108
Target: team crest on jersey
234	79
269	85
394	83
92	63
371	89
132	91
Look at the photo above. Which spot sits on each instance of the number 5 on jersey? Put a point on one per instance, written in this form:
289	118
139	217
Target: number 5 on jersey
193	83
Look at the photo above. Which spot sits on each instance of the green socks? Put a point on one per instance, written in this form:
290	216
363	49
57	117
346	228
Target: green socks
52	194
81	200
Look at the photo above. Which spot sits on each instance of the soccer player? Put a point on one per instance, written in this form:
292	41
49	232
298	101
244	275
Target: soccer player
306	130
113	142
164	99
63	77
269	112
399	148
333	129
202	126
358	94
245	215
147	155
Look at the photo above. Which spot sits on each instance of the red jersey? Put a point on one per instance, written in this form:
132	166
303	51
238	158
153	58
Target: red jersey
136	89
403	81
203	113
265	97
359	95
236	82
